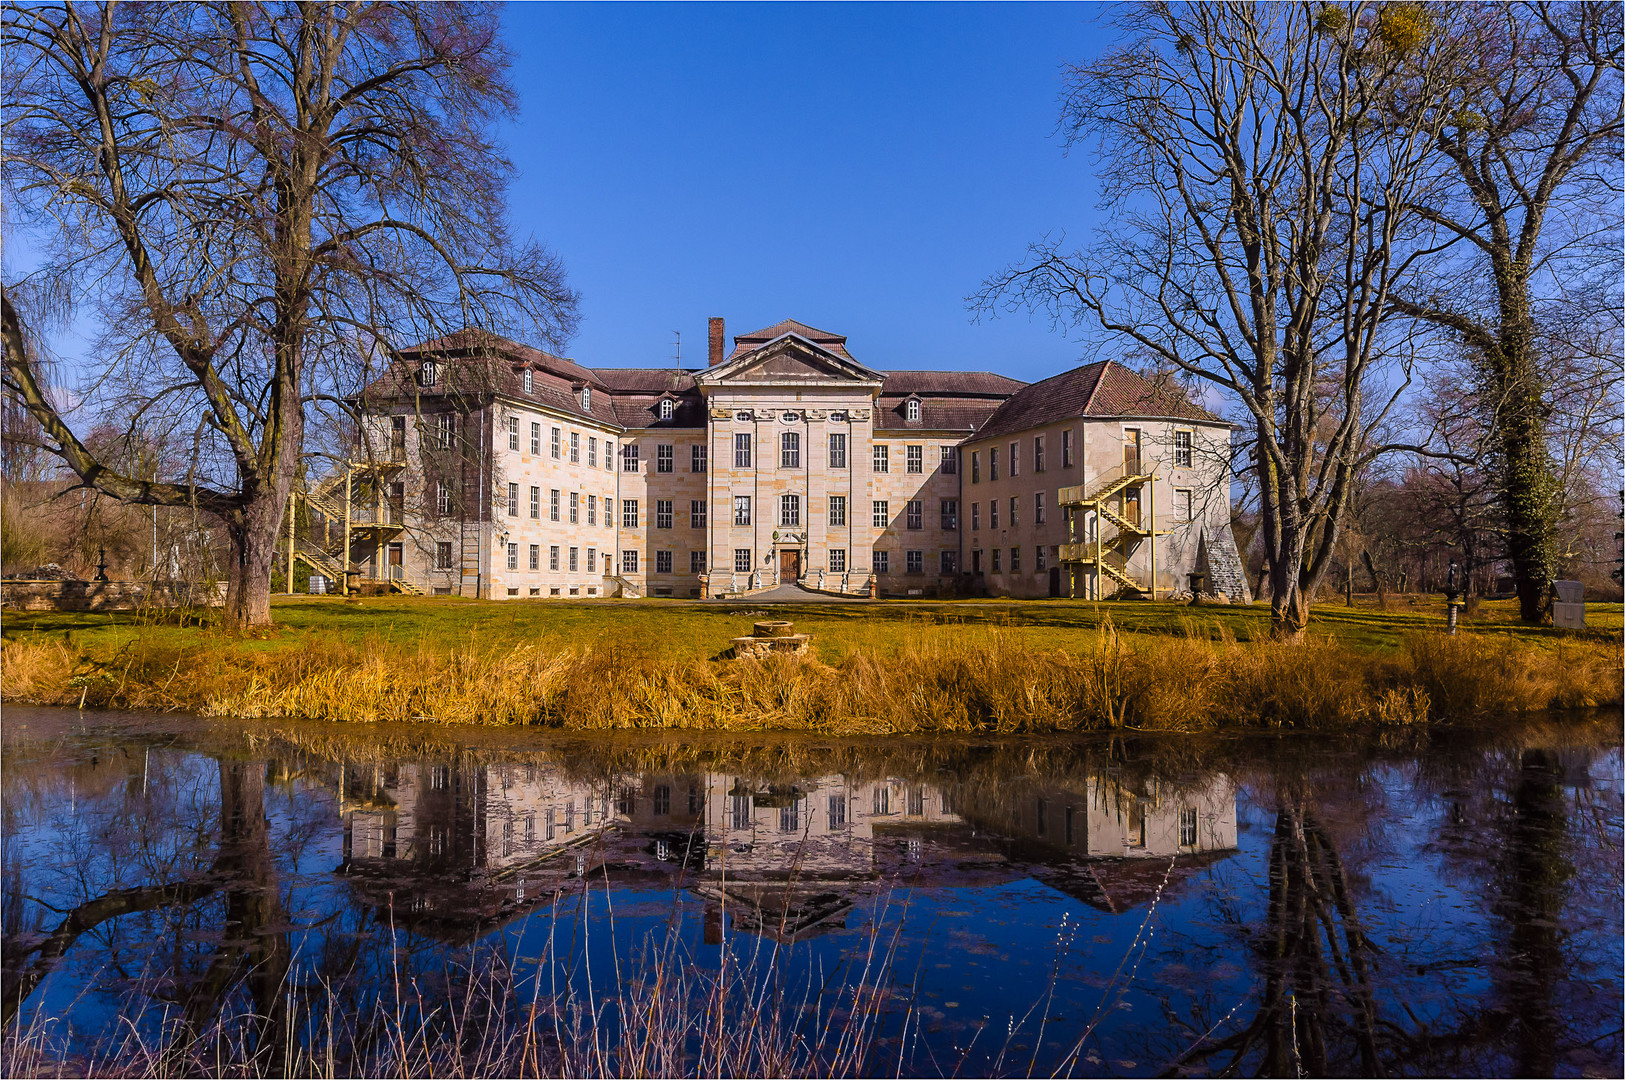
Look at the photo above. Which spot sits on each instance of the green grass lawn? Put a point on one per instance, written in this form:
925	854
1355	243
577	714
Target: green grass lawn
703	629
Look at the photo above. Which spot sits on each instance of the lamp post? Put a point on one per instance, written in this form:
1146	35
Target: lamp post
1452	597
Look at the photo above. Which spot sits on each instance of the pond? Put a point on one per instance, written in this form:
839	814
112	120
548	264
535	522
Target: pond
241	898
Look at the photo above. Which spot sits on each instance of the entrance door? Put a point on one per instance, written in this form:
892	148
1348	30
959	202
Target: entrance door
397	559
789	564
1131	506
1131	452
1055	581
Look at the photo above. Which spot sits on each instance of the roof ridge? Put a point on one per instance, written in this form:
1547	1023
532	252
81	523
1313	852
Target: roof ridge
1100	379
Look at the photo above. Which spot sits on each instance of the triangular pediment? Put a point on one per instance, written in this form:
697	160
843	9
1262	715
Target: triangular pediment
788	359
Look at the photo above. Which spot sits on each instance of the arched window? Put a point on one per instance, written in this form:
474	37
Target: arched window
428	373
586	398
530	381
913	411
665	408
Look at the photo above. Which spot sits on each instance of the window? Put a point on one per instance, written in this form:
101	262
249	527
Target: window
553	443
629	457
1015	504
882	514
950	460
575	507
1183	508
592	452
950	514
696	458
916	801
445	426
513	556
629	562
976	561
1038	558
666	408
914	562
915	456
1038	453
790	450
629	513
882	799
428	373
535	556
837	450
553	557
996	553
837	560
916	514
513	500
1187	827
535	503
882	458
609	512
592	560
663	513
741	811
975	516
837	811
586	398
662	800
609	454
696	562
513	432
837	511
442	496
950	563
662	562
696	513
790	817
1038	508
993	513
1015	560
1015	459
742	450
789	509
442	555
553	504
592	509
993	463
663	459
742	560
536	439
575	448
912	411
575	559
741	509
882	562
1066	449
1182	449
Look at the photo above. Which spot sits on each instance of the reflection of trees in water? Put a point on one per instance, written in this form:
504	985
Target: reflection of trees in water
1315	1012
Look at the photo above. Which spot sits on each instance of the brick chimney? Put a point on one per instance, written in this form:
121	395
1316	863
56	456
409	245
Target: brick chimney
716	340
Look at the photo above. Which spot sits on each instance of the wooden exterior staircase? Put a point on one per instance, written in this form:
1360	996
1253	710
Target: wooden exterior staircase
1109	555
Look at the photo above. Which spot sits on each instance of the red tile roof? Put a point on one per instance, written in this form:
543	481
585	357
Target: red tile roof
1103	388
744	343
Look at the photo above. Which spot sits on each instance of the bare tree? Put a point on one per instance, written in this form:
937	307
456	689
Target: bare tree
254	201
1258	231
1530	146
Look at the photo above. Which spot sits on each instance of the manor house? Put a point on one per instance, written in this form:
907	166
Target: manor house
489	468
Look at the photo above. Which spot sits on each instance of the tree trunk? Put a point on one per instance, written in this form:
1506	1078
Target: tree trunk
1289	605
1525	476
255	531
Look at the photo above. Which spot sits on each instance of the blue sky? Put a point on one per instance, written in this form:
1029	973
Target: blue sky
860	167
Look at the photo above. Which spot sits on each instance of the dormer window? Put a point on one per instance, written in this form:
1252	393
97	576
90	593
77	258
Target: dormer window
666	408
530	381
912	410
428	373
586	399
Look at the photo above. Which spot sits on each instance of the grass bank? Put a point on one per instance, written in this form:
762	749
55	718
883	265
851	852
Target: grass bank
878	669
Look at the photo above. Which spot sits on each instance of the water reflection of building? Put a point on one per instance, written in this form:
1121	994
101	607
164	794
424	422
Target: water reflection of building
464	845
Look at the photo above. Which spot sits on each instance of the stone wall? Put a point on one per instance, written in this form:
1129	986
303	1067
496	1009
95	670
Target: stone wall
106	595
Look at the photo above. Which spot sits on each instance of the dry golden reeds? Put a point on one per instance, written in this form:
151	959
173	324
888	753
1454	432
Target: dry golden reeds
927	679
